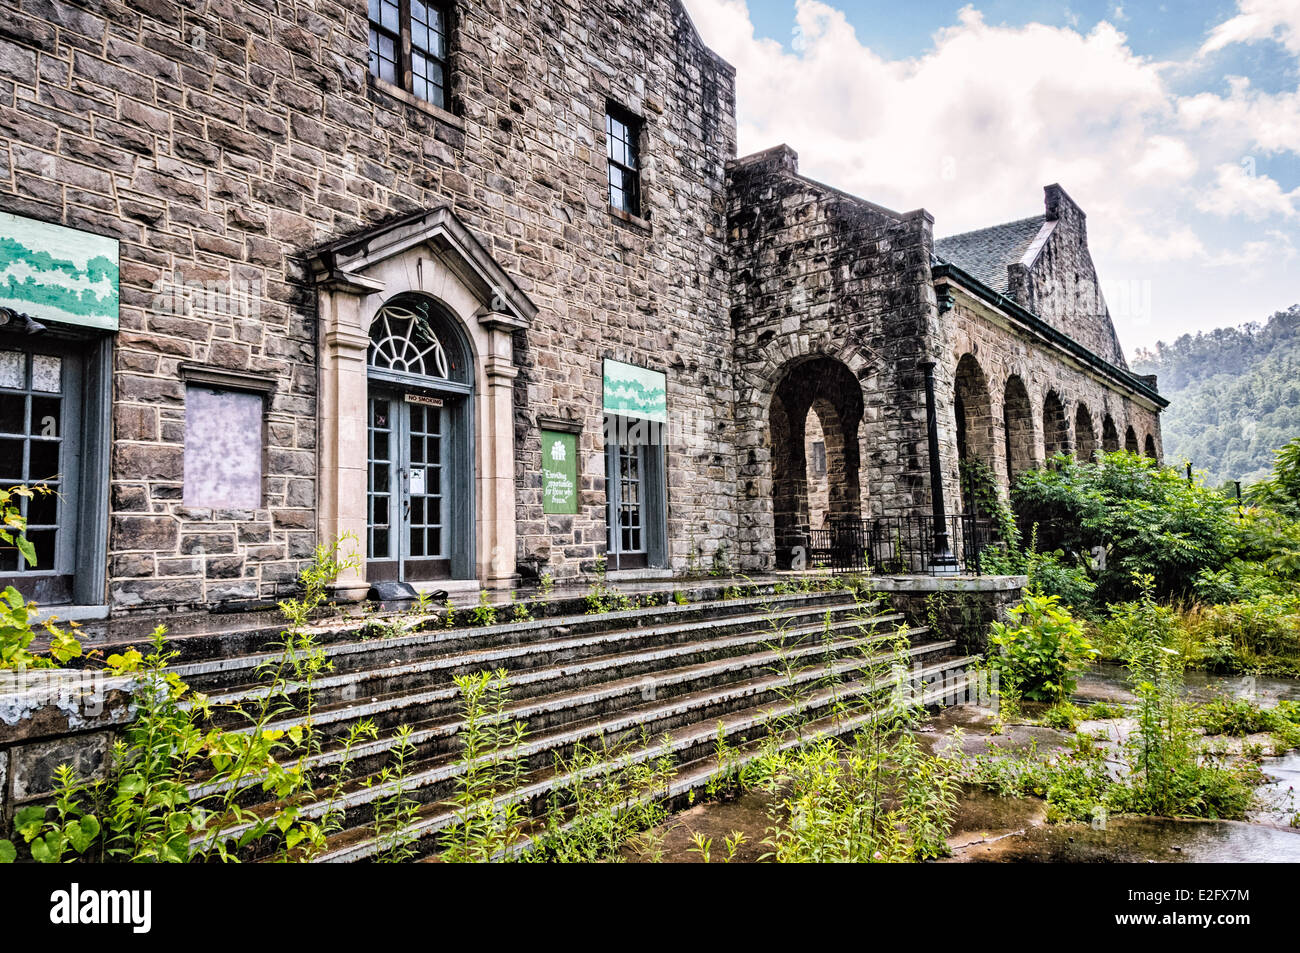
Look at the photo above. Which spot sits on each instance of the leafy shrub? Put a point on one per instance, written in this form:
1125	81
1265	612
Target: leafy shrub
1281	492
1051	575
1262	634
1129	624
1146	519
1040	650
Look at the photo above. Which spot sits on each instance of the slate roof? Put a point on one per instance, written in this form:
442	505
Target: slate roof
986	252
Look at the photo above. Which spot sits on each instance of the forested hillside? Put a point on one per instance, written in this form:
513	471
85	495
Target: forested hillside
1234	395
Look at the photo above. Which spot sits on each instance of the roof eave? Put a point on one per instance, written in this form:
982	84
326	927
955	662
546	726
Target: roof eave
946	271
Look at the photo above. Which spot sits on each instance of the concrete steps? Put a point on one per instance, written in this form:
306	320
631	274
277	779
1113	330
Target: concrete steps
660	681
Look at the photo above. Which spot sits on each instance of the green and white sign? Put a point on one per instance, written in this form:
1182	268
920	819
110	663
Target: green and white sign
54	273
632	391
559	473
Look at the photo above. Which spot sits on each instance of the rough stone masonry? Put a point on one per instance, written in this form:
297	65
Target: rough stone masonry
223	143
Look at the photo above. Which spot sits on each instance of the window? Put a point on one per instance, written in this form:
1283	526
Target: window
622	132
408	46
223	448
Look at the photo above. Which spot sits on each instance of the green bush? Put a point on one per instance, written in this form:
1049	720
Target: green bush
1261	634
1039	651
1145	518
1051	574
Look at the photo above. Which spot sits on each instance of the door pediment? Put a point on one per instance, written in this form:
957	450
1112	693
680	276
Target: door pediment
364	264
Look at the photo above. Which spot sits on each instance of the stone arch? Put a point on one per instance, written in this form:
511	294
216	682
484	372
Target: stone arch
973	409
1109	435
823	389
1149	448
1131	441
1018	427
1056	429
1085	437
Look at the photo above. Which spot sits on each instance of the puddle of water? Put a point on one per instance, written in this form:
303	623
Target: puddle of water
1142	839
1106	681
1279	801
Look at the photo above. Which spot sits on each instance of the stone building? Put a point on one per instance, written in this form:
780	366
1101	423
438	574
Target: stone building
482	288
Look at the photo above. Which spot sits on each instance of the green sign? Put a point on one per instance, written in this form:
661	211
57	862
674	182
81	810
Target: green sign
54	273
559	473
632	391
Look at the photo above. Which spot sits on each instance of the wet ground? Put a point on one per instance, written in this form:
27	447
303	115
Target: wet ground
989	828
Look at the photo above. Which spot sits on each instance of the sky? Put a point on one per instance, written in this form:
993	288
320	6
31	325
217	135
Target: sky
1174	125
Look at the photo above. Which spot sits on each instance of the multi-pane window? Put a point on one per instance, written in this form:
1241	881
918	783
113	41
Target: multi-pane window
622	132
31	449
408	46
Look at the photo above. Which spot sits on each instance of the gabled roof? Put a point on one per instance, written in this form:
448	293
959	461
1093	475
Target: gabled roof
986	253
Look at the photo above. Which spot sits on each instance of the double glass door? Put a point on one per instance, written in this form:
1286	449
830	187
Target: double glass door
409	493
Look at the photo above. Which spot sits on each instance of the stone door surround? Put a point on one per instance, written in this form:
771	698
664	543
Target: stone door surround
431	253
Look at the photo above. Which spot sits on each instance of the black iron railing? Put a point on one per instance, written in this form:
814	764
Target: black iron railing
900	545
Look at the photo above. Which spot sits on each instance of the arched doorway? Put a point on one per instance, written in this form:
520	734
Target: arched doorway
973	410
1150	448
419	493
1131	441
1084	436
1109	435
1056	429
825	391
1018	427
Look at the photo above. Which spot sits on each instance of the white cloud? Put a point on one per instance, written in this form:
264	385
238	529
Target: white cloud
1238	190
973	127
1258	20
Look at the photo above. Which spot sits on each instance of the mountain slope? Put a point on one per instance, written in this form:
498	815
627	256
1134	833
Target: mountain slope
1234	396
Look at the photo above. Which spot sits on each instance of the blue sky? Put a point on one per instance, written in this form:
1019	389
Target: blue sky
1175	125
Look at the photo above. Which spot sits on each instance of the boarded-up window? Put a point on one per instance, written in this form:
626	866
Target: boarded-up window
223	449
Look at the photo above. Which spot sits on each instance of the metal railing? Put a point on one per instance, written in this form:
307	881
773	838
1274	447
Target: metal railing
900	545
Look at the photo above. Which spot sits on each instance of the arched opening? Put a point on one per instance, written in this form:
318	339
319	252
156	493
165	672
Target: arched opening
1109	435
974	415
817	401
1018	427
1084	436
817	455
1131	441
1056	429
420	507
1150	448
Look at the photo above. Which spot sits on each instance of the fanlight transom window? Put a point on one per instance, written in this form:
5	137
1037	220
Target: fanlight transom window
402	340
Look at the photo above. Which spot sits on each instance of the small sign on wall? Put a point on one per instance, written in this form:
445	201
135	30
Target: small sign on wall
632	391
55	273
424	400
559	473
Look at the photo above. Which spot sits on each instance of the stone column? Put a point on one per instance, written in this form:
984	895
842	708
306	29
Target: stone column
496	460
343	452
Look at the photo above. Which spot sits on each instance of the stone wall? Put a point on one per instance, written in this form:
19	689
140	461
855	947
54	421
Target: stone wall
960	607
50	717
977	336
821	274
218	144
1062	286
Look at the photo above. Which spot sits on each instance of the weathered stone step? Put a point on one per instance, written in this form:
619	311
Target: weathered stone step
691	747
546	703
359	654
399	678
695	776
434	780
